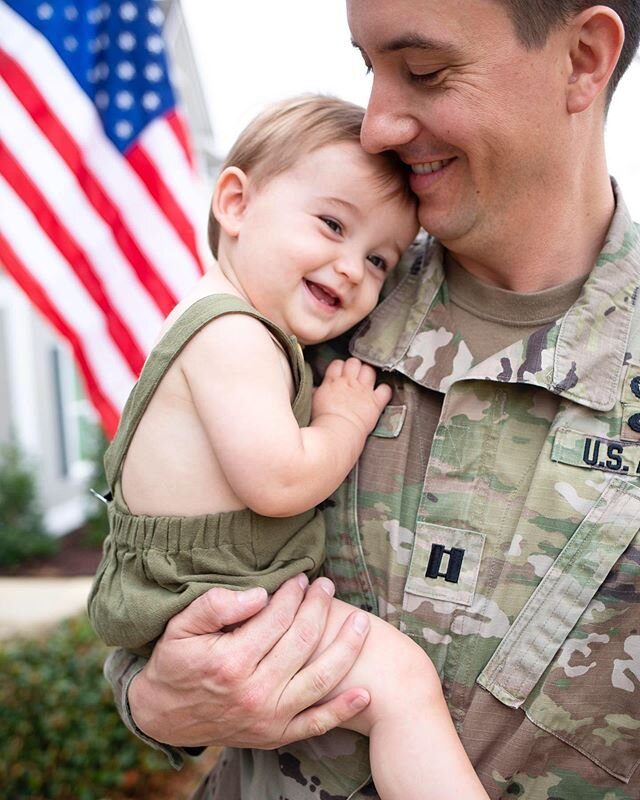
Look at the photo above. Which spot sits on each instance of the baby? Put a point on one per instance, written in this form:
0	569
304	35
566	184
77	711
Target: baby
223	452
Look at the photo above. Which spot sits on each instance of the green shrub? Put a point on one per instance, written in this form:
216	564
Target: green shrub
22	532
60	736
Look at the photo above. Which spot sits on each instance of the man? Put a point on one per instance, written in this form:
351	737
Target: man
495	517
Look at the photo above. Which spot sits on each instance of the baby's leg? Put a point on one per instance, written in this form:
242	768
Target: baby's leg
414	749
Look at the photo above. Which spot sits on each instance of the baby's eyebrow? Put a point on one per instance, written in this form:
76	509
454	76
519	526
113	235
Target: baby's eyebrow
339	201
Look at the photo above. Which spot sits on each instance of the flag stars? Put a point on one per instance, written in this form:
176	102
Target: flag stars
94	16
100	72
126	41
45	11
123	129
128	12
150	100
155	43
155	16
102	99
70	43
98	44
71	13
125	70
153	72
124	100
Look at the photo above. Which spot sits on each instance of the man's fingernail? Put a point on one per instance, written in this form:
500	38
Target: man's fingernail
251	595
360	702
303	581
361	623
327	586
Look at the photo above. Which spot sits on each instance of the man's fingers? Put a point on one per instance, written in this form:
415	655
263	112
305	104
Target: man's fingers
312	683
213	610
298	644
318	720
257	637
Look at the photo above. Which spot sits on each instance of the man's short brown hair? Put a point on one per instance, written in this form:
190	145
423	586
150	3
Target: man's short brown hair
284	132
534	19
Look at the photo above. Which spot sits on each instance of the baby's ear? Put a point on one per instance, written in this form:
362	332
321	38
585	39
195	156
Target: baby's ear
230	200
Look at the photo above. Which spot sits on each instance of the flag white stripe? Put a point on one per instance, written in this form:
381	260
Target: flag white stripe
68	295
146	222
50	173
159	142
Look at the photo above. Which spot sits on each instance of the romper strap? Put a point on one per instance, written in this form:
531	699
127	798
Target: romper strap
162	356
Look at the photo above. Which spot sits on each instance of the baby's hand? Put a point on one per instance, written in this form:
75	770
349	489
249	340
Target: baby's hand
348	391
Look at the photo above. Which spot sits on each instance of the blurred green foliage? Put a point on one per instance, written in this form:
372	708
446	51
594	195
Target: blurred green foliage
22	532
60	735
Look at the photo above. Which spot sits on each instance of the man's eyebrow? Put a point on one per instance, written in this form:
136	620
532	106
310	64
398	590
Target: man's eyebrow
410	41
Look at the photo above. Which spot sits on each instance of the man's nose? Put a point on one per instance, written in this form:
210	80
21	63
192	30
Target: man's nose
387	125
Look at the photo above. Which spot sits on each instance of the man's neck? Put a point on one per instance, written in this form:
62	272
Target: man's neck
558	242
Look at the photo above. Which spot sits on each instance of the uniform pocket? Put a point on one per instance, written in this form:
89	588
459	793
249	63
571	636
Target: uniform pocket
571	659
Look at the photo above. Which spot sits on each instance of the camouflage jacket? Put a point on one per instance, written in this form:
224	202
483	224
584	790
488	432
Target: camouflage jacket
510	552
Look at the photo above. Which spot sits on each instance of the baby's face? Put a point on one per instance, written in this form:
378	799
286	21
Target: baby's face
318	240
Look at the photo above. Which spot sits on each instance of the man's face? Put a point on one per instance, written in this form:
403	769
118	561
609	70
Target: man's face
480	119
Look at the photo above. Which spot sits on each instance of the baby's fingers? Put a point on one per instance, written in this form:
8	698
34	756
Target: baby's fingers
353	368
382	395
335	369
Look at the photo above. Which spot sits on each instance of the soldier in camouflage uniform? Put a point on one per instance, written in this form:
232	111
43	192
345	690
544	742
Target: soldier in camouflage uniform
495	513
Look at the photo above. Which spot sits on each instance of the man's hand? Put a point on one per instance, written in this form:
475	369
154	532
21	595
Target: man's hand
249	687
347	390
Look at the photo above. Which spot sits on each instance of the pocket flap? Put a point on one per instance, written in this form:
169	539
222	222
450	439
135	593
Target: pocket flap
571	656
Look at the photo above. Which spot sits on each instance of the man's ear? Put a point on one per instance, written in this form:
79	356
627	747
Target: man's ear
597	36
229	202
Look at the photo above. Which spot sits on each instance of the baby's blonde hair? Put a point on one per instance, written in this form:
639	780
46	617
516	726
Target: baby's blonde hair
280	135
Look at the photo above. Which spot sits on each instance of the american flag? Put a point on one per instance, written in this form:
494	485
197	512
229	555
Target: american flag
96	181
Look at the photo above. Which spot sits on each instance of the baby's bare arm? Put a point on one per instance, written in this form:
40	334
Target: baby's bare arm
237	379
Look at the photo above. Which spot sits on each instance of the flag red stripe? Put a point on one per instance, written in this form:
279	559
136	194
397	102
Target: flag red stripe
23	277
27	93
74	255
176	124
157	188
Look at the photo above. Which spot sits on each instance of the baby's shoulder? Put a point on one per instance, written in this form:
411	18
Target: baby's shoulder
231	341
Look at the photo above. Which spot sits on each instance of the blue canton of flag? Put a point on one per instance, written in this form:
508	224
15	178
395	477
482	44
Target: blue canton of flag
116	53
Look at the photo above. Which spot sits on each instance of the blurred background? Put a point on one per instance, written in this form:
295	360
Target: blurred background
114	118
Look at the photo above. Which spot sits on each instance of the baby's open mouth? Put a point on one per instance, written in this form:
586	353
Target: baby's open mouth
322	294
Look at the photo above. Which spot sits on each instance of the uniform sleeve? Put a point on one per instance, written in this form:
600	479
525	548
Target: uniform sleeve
120	669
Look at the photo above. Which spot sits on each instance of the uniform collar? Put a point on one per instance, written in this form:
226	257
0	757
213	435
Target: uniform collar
581	356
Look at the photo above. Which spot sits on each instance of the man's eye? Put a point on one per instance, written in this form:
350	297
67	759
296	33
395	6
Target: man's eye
426	78
335	226
378	262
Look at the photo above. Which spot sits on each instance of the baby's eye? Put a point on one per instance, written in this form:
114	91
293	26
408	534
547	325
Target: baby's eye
335	226
378	262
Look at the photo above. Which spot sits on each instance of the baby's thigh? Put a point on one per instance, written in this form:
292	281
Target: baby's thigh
395	670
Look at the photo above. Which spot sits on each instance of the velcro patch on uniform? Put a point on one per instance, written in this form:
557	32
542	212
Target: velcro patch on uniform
595	452
391	422
445	563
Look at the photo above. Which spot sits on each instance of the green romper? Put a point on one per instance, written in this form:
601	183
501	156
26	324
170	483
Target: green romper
153	567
